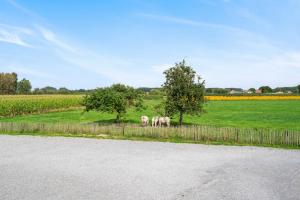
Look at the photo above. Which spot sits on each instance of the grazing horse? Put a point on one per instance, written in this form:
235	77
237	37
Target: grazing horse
144	120
164	121
155	121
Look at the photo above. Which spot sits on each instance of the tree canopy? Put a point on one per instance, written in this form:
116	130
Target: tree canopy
184	90
114	99
8	83
266	89
24	86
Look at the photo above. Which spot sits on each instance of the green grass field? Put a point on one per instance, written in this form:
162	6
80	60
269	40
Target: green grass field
273	114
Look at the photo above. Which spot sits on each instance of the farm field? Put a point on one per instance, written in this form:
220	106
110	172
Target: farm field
271	114
13	105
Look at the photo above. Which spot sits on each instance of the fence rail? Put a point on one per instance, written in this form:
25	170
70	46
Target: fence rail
191	133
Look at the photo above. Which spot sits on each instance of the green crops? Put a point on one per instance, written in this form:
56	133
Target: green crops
13	105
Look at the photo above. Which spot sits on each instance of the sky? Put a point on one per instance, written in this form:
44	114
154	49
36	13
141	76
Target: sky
91	43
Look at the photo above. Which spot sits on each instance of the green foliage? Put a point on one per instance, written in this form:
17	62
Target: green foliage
64	90
115	99
24	86
266	89
8	83
218	91
184	90
298	87
252	90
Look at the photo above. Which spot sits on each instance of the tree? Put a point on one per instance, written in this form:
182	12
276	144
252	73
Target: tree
184	90
252	90
298	88
115	99
8	83
266	89
63	90
48	90
24	86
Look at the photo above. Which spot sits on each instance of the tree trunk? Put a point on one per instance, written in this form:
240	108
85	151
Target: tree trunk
180	118
118	118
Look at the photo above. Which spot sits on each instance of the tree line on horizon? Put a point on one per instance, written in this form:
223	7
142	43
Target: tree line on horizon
10	85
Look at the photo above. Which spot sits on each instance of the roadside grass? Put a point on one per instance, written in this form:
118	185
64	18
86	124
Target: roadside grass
272	114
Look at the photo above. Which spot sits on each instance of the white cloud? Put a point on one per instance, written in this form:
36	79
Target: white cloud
104	65
13	34
53	39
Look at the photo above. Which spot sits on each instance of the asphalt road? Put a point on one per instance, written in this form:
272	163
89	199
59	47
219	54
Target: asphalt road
37	168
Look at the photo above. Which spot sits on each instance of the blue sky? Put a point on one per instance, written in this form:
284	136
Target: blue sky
88	44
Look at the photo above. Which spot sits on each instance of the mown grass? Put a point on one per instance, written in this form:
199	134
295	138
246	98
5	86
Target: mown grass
273	114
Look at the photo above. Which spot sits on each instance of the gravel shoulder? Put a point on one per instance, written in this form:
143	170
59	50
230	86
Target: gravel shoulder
77	168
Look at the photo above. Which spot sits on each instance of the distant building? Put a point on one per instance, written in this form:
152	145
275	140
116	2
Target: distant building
290	92
258	91
280	92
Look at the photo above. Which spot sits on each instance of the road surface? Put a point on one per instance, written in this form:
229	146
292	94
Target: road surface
57	168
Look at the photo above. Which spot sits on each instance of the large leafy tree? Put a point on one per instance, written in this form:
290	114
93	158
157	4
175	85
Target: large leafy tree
266	89
184	90
24	86
115	99
8	83
298	87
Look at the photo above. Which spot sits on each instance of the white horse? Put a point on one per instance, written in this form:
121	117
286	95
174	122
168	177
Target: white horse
164	121
155	121
144	120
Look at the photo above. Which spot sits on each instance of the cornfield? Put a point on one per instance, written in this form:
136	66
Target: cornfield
192	133
236	98
12	105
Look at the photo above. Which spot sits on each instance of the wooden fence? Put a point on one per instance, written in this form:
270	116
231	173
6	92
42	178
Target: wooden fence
191	133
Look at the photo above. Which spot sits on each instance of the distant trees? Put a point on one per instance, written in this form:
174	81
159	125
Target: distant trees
115	99
184	90
8	83
216	91
253	90
24	86
63	90
298	88
266	89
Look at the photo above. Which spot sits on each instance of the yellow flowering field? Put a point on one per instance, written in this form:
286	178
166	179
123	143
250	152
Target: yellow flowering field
235	98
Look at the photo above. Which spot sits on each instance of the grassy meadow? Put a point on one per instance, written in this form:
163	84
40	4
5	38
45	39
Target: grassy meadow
270	114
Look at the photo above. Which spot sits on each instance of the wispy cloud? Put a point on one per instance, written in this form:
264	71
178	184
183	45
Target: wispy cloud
74	54
51	37
189	22
13	34
104	65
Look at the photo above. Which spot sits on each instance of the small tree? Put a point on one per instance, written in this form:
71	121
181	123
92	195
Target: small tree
184	90
24	86
266	89
115	99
